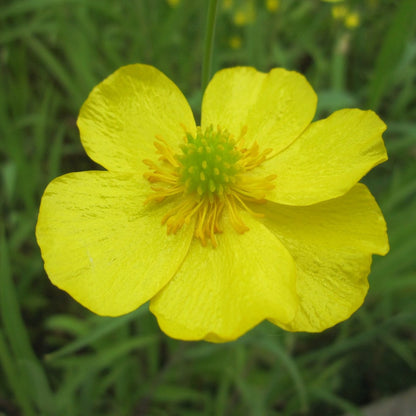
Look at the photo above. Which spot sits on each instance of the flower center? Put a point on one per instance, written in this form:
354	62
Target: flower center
209	162
210	175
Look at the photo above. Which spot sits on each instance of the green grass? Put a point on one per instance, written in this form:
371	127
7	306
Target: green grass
58	359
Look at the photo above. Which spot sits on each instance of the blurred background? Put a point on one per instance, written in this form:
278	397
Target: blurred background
56	357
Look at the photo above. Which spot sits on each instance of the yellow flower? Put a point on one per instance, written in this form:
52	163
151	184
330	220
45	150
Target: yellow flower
352	20
173	3
244	16
339	12
227	4
254	215
235	42
272	5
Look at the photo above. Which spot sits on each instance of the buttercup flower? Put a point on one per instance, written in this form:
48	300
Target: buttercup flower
272	5
244	15
255	214
351	19
339	12
235	42
173	3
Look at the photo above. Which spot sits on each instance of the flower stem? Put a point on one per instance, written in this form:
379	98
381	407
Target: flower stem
209	43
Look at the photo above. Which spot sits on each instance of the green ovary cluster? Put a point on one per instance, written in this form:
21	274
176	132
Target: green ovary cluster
209	162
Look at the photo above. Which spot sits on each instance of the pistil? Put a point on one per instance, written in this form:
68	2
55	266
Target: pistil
213	173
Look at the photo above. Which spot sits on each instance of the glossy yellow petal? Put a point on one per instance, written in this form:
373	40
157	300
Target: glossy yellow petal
102	245
275	107
219	294
331	243
328	159
122	115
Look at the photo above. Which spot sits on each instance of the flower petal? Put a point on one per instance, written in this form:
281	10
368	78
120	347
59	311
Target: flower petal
102	245
122	115
328	159
331	243
275	107
219	294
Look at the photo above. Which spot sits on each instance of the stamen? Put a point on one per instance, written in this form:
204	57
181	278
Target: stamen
235	218
244	205
253	158
165	151
252	187
213	173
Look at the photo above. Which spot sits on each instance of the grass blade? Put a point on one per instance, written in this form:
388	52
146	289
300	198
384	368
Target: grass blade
391	51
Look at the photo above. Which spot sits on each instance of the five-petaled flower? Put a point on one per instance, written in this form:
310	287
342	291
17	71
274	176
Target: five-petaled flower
256	214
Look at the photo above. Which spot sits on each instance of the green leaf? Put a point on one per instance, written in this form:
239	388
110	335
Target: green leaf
391	51
105	327
16	333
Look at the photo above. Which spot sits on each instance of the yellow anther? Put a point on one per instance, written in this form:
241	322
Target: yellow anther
204	186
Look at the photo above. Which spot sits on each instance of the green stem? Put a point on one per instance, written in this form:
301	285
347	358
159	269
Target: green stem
209	43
